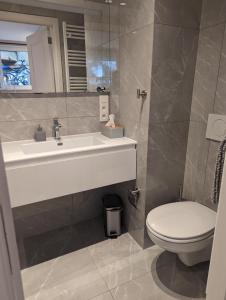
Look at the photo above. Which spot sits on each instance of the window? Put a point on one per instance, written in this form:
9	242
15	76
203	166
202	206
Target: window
14	68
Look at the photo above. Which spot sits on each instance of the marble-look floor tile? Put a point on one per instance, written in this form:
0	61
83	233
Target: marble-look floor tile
143	288
129	268
106	296
125	272
111	251
73	276
177	280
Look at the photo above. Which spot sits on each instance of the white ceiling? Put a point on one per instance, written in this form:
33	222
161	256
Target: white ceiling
10	31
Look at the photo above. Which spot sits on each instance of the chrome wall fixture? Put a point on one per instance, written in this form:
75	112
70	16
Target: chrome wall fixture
141	94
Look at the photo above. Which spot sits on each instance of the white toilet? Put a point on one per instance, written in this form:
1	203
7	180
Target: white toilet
185	228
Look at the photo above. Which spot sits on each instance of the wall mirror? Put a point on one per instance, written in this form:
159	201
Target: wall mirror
53	46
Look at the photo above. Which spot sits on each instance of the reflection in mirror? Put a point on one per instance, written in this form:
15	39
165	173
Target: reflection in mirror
26	59
30	57
57	48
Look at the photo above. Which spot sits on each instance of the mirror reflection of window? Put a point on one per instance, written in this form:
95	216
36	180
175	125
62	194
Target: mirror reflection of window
15	70
25	58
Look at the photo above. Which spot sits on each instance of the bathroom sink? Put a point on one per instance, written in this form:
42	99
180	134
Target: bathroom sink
37	171
63	144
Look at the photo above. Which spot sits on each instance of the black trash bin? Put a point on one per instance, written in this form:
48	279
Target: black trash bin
113	215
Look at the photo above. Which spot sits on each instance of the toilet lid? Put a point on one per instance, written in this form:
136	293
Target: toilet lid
182	220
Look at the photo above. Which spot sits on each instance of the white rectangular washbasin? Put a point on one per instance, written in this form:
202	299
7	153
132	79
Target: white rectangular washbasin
38	171
63	144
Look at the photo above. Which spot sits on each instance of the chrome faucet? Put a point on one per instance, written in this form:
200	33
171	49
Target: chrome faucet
56	129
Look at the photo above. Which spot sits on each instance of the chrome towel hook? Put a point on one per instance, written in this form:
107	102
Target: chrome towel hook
141	94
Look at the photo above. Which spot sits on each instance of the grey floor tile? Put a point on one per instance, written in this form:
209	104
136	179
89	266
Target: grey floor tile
143	288
128	268
177	280
106	296
111	251
115	269
73	276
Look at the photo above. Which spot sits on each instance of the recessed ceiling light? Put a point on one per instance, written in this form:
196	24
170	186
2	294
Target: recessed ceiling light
108	1
122	3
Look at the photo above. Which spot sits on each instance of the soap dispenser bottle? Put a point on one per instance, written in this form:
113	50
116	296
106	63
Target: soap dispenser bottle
40	134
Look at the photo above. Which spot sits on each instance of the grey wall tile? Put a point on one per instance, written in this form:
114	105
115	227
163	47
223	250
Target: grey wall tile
174	59
14	109
82	107
206	74
24	130
210	174
166	162
37	218
134	114
19	117
213	12
178	12
83	125
208	97
220	103
136	14
196	160
89	204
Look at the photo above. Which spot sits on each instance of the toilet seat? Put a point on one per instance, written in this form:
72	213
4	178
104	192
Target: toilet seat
181	222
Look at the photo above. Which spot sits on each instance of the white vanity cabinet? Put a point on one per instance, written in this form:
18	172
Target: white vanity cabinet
38	172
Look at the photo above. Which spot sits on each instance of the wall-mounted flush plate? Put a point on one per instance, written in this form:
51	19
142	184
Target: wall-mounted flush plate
134	197
104	108
216	127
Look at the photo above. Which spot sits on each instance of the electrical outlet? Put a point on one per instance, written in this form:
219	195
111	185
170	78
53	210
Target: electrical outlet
104	108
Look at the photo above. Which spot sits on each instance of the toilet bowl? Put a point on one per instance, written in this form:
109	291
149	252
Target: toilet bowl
185	228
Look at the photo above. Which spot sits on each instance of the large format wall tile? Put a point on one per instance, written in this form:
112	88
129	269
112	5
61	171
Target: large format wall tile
19	117
24	130
178	12
89	204
41	217
210	174
16	109
208	97
220	103
174	58
83	125
82	107
134	113
166	162
213	12
136	14
206	74
196	160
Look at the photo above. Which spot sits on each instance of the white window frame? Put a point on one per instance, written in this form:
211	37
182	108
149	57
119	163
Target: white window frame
53	26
